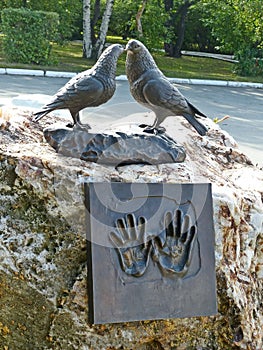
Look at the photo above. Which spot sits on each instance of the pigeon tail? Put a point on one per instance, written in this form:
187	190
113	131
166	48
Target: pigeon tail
39	115
196	110
200	128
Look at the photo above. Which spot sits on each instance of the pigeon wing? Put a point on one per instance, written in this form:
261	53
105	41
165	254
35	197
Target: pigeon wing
80	92
165	99
161	93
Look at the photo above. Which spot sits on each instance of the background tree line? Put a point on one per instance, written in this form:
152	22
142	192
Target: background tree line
224	26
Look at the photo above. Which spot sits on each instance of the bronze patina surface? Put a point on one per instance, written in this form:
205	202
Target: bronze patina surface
150	251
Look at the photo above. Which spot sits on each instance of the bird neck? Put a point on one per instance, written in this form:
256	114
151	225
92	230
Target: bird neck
106	65
138	63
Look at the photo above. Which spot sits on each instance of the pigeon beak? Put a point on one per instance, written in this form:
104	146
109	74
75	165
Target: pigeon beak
128	47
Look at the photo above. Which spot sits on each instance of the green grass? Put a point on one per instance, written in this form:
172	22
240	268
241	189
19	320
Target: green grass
196	67
69	58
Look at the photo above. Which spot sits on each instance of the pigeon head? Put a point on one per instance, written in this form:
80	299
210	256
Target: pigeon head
107	62
114	50
138	60
134	46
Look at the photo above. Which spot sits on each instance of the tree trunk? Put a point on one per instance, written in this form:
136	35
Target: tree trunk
168	5
96	16
138	17
181	29
173	47
103	29
87	44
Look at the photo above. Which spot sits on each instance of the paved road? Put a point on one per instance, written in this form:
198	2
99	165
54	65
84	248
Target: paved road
243	105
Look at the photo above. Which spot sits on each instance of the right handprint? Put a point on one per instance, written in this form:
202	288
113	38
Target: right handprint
172	249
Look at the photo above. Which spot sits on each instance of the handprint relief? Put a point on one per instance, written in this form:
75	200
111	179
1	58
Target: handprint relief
131	243
172	249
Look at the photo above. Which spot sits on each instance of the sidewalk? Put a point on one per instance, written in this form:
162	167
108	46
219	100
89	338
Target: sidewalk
39	73
218	56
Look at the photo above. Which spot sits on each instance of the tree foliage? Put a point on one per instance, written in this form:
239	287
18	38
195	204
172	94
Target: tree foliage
235	23
163	21
226	26
241	32
177	11
68	11
197	33
28	35
124	23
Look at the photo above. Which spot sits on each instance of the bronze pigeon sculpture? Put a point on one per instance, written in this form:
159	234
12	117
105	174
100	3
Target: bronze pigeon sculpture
152	89
90	88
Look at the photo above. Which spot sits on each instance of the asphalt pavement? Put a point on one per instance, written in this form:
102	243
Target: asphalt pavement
244	105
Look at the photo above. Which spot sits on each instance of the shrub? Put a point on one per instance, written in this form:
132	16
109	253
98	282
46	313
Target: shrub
250	62
27	35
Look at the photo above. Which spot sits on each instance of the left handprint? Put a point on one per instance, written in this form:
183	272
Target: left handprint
132	245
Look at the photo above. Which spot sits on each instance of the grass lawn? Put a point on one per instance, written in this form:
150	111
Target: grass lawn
69	58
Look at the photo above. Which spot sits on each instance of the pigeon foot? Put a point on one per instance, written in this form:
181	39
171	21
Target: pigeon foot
152	130
70	125
81	126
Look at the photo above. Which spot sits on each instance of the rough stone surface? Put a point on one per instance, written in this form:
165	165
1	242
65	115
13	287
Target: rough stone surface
43	300
115	148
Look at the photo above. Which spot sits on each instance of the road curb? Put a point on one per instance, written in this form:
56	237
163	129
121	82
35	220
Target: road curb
54	74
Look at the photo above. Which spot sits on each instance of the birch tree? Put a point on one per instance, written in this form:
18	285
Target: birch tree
103	29
87	44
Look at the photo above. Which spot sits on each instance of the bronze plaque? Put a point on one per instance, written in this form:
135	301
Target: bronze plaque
150	251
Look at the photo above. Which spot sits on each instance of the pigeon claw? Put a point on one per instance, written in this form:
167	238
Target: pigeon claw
70	125
152	130
81	126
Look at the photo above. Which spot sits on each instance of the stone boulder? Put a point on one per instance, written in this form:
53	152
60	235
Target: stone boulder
43	284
